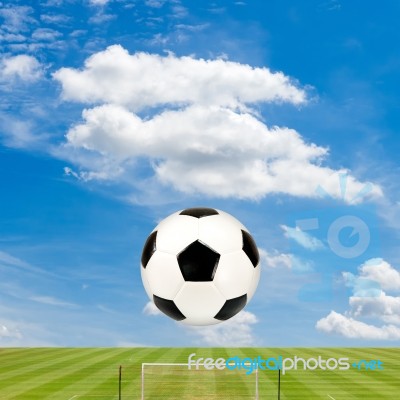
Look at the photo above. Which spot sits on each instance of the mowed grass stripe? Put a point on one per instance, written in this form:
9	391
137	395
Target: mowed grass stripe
333	382
247	380
380	381
384	382
24	361
97	374
267	379
167	386
293	384
9	355
67	377
61	371
346	380
131	375
235	384
337	381
131	384
220	384
33	371
102	381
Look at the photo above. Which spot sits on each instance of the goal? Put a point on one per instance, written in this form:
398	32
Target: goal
164	381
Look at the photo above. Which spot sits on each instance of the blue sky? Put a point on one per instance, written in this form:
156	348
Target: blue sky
114	114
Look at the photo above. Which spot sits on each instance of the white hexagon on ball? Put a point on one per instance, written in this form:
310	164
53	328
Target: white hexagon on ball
201	301
163	267
200	266
176	233
220	232
234	275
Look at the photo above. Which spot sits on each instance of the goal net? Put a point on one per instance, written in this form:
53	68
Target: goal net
163	381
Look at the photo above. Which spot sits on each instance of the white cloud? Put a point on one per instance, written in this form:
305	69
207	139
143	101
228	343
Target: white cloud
99	2
381	272
275	259
101	18
190	120
368	301
16	18
5	332
155	3
12	37
21	133
87	176
146	80
23	67
56	19
304	239
374	276
384	307
336	323
45	34
236	332
151	309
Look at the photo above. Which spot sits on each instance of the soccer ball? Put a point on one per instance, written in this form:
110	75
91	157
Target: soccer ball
200	266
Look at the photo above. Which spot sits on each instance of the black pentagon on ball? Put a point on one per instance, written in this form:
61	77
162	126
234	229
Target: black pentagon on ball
198	262
199	212
231	308
149	249
250	248
168	307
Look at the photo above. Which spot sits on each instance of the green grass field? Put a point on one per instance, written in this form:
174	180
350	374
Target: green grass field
92	374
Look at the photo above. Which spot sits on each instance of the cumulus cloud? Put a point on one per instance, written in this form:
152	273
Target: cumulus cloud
382	272
353	329
369	300
146	80
384	307
236	332
192	121
23	67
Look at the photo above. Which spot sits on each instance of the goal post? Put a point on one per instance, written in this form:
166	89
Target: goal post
164	381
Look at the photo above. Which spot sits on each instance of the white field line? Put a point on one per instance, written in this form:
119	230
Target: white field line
331	397
89	395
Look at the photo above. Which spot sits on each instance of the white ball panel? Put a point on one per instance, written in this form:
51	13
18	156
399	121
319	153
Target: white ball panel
146	283
163	275
201	321
234	274
199	301
221	233
166	220
229	216
176	233
254	282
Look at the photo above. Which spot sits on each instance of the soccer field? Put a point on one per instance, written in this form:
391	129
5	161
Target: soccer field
92	374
